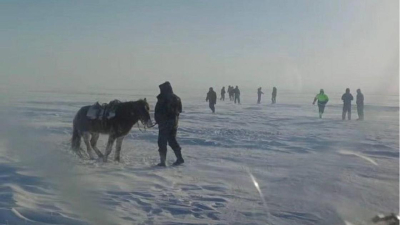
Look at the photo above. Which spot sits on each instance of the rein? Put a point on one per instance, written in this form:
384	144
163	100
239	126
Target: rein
144	126
152	125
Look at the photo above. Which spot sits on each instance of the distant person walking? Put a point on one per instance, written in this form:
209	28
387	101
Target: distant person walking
322	100
259	93
360	105
236	92
230	92
347	98
223	94
166	114
211	99
274	92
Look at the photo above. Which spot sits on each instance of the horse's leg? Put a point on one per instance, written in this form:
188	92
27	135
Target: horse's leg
86	139
93	142
118	148
110	143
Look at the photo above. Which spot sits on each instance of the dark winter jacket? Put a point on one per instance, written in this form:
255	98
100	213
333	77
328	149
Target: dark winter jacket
360	99
212	97
347	98
236	91
168	106
274	90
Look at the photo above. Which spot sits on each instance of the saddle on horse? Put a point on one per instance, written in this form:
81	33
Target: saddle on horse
103	111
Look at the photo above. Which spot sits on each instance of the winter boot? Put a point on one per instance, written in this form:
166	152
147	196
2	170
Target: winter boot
163	157
179	159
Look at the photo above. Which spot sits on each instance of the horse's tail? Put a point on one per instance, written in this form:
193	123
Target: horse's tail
76	140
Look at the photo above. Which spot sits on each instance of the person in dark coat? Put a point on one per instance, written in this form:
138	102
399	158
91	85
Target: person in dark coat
230	92
223	94
236	92
211	99
259	93
360	105
166	114
347	98
274	92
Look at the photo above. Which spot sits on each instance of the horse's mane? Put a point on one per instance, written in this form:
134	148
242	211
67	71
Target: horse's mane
131	104
140	102
143	101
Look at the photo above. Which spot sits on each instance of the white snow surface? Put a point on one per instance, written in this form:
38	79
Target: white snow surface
246	164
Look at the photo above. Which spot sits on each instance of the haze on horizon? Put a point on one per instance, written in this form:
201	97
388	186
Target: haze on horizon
295	45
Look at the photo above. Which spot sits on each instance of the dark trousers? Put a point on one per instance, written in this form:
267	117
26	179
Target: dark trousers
273	99
360	111
259	99
167	135
222	97
321	108
212	107
346	110
237	99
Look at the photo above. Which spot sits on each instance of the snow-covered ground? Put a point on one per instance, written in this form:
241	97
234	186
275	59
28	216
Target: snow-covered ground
247	164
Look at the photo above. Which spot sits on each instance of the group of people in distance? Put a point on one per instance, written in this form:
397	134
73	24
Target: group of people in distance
259	93
322	98
347	97
234	95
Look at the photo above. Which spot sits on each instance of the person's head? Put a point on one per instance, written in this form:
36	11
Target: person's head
358	91
237	86
259	88
347	90
321	91
211	89
165	88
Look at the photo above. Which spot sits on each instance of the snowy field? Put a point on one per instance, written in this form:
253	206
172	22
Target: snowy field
247	164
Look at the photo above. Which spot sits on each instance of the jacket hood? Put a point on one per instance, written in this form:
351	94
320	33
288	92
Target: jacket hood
165	88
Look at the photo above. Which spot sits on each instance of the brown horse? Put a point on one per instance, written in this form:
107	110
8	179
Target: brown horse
127	114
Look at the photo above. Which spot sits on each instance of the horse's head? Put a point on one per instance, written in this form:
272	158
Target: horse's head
143	111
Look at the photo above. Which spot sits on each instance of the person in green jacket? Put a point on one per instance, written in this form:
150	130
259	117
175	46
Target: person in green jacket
322	100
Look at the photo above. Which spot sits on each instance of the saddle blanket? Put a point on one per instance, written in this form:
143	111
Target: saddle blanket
102	111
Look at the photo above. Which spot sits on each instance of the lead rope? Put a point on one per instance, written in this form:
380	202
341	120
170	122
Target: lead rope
144	126
154	124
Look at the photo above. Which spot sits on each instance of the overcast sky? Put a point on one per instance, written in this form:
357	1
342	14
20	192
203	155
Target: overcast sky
300	45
